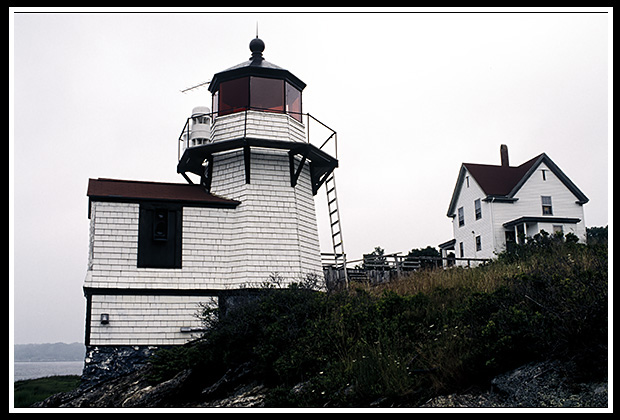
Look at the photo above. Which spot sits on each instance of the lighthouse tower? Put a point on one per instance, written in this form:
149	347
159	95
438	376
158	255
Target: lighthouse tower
159	252
258	153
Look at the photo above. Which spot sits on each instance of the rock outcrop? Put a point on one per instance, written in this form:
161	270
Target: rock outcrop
538	385
535	385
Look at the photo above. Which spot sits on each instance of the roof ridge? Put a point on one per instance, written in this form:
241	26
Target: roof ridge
138	181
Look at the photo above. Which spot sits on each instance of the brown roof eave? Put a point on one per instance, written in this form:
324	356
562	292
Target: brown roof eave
113	190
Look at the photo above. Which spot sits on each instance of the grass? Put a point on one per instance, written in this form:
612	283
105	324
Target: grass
430	333
28	392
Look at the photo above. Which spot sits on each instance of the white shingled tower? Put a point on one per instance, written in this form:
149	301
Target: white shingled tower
245	215
258	153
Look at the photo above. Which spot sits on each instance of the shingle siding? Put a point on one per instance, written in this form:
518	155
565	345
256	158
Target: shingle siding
145	319
273	230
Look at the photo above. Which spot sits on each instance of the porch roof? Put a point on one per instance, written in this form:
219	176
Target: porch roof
541	219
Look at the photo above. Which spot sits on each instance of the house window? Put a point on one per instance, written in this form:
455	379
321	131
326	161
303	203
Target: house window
544	174
558	229
478	243
461	216
467	181
478	209
159	236
461	249
547	209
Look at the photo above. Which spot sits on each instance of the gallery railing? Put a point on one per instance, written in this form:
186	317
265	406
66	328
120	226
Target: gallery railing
248	120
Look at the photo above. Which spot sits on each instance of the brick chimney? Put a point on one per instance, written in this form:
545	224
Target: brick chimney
503	152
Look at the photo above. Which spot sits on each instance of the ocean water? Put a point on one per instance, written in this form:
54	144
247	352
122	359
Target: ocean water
33	370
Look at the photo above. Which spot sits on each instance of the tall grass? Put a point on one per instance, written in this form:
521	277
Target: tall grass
28	392
428	333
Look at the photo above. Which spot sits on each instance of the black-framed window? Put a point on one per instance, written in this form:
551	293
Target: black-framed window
159	235
478	209
461	212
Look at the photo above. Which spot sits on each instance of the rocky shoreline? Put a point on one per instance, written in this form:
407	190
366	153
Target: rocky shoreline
535	385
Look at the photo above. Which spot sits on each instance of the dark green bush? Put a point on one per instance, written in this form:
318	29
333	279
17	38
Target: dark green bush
352	348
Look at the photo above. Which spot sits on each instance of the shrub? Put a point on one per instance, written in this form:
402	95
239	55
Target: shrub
432	332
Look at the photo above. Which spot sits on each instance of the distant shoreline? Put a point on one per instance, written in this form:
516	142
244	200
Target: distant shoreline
23	371
49	352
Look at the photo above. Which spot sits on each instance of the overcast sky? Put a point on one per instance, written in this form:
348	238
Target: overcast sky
410	95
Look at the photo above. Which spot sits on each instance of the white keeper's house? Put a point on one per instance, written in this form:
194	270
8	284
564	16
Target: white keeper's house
243	213
493	205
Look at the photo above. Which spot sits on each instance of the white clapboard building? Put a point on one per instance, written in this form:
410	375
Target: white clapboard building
243	215
493	205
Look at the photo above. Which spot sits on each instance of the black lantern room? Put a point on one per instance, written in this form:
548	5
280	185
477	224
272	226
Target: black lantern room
259	86
256	84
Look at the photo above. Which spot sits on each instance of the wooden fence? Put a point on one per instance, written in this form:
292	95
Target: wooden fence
382	268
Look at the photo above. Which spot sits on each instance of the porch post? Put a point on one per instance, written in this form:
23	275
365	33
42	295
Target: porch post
516	234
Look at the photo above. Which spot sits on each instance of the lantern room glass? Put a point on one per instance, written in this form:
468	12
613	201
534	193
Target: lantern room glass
234	96
260	93
266	94
293	101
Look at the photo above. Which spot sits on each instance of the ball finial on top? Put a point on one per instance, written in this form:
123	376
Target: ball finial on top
257	46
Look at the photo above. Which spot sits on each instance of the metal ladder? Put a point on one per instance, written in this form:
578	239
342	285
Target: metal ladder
340	258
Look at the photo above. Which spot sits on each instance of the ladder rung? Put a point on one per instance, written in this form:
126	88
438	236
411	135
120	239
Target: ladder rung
334	218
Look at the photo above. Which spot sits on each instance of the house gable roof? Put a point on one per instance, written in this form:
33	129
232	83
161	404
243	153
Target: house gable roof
498	180
502	182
